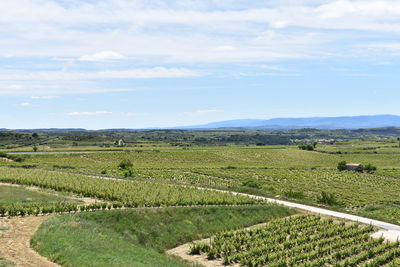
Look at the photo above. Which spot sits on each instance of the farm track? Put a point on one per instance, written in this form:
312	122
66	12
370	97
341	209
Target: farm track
15	242
380	224
383	225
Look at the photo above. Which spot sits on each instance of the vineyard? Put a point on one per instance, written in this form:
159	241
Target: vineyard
305	240
273	171
187	177
122	192
310	183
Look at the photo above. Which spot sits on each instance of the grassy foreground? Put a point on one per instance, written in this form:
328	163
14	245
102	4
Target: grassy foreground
139	237
10	195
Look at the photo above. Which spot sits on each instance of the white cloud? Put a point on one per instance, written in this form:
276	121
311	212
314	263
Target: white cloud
44	97
26	104
225	48
42	89
157	72
88	113
102	56
170	31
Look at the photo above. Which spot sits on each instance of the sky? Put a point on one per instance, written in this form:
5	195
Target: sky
100	64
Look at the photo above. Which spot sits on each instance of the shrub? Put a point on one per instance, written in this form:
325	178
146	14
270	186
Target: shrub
369	168
306	147
16	158
252	184
342	166
129	173
3	155
327	198
125	164
294	194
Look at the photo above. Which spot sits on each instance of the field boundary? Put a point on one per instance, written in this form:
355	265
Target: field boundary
321	211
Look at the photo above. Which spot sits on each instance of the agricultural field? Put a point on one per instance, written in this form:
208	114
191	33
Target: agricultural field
141	236
147	200
306	240
10	195
122	193
274	171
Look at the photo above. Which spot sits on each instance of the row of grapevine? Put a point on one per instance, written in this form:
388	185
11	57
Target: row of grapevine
61	207
304	240
130	193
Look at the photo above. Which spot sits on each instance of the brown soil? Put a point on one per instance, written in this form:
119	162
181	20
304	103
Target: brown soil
15	242
183	252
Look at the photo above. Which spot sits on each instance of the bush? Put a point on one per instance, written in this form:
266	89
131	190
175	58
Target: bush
327	198
306	147
125	164
369	168
129	173
252	184
3	155
16	158
294	194
342	166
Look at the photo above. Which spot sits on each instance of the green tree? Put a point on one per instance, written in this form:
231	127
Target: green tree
35	148
369	168
125	164
342	166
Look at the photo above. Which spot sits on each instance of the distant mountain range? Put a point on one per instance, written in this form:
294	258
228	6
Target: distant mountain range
323	123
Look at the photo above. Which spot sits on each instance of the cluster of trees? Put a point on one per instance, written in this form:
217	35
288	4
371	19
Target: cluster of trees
127	166
307	147
368	168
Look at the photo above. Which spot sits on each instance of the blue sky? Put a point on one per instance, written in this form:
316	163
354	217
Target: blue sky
140	63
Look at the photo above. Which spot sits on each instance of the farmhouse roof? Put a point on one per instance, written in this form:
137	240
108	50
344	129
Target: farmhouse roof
353	164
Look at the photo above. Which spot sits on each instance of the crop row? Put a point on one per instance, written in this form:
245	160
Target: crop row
351	189
304	240
43	209
130	193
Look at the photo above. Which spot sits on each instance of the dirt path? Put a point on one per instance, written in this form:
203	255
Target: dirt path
15	242
183	252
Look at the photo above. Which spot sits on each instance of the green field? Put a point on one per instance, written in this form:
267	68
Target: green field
274	171
162	176
138	238
11	195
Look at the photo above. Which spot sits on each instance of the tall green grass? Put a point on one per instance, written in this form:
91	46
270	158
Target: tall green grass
138	237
